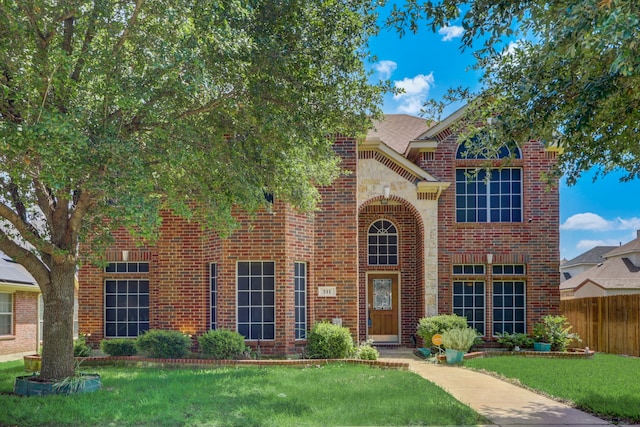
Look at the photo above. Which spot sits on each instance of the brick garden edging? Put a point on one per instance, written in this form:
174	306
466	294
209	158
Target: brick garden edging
139	361
577	353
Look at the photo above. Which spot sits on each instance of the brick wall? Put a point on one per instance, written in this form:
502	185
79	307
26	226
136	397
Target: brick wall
179	266
336	243
534	242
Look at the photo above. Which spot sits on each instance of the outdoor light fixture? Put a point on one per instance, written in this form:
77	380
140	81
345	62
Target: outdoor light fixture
386	191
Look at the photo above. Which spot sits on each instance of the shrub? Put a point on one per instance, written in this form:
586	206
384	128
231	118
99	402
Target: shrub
222	344
81	348
329	341
512	340
164	344
366	351
459	339
556	331
119	347
430	326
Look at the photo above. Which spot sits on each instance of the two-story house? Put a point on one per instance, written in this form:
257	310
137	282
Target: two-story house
409	233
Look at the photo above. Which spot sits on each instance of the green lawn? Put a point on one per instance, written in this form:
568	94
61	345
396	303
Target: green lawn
337	394
607	385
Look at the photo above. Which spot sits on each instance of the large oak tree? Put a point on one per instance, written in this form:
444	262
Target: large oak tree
566	71
111	111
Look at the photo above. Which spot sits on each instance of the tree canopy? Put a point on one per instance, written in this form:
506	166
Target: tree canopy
565	71
111	112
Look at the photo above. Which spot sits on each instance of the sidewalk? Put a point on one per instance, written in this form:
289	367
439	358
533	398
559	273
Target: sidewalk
503	403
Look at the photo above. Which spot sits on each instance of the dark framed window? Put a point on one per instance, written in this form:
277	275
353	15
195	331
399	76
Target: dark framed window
509	269
469	302
383	243
468	269
127	267
6	314
493	196
126	308
300	279
213	284
509	307
256	299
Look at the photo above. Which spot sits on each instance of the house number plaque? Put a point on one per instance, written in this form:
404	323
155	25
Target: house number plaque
327	291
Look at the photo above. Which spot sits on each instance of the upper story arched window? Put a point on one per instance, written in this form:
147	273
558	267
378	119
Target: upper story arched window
505	152
489	195
383	243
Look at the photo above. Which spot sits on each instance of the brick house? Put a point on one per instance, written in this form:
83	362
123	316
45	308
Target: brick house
406	234
19	294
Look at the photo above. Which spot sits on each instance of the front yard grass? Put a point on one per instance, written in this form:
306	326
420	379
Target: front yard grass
336	394
607	385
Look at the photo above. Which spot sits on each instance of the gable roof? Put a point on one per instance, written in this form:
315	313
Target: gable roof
614	273
593	256
628	248
14	276
398	130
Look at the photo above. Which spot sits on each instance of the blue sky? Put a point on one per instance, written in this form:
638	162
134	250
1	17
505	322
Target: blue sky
604	212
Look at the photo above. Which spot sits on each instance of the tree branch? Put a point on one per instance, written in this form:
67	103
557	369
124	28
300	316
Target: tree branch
25	230
37	267
132	22
88	38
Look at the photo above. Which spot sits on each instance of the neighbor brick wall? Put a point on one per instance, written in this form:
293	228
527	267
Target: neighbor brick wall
25	325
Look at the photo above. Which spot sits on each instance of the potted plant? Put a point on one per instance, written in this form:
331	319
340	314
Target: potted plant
457	342
32	362
553	333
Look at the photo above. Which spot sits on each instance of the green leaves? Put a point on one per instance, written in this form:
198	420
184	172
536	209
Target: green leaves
194	106
566	72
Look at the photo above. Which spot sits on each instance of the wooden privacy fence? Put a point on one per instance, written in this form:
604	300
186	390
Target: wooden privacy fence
606	324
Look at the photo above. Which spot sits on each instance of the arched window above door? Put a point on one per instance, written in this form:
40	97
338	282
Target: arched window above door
382	243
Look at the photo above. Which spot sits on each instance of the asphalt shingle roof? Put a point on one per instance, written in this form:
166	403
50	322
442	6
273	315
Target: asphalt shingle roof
398	130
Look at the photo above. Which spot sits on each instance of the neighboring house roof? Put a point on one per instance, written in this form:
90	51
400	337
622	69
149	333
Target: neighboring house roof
628	248
615	272
14	276
593	257
398	130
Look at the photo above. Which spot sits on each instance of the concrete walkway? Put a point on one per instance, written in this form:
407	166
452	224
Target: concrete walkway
503	403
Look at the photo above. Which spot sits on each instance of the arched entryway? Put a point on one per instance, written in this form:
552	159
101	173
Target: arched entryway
391	271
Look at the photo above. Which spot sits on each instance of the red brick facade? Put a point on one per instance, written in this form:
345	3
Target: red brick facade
333	245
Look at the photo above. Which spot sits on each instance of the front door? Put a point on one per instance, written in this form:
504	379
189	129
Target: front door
382	307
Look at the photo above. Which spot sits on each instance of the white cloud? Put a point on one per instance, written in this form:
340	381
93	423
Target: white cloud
451	32
585	245
385	68
415	92
586	221
594	222
629	224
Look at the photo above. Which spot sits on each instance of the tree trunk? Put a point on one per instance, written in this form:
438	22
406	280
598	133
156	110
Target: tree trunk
57	329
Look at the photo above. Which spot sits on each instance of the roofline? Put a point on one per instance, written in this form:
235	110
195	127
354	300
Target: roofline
375	144
447	122
13	286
